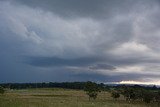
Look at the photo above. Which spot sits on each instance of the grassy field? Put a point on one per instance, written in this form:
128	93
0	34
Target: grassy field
62	98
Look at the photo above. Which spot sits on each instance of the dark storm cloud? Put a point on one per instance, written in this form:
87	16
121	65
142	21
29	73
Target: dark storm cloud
102	66
110	78
87	8
72	8
100	40
92	62
55	61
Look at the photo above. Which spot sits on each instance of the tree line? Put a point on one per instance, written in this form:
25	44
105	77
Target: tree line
66	85
137	93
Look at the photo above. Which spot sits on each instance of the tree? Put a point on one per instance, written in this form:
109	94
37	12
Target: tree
115	94
148	96
2	90
129	93
91	89
158	96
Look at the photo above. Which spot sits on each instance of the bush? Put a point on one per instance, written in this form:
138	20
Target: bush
129	93
115	94
2	90
91	89
148	96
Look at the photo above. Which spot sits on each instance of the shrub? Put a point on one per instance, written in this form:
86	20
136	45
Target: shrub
129	93
2	90
91	89
148	96
115	94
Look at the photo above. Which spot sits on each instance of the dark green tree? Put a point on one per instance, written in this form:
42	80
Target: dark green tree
115	94
2	90
148	96
129	93
91	89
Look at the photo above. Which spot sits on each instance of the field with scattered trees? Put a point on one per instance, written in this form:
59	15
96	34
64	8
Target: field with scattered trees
78	94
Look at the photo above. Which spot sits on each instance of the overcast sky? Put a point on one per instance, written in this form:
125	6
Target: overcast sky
79	40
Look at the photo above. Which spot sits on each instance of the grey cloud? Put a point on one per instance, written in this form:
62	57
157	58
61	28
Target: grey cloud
95	62
71	8
102	66
55	61
39	38
111	78
87	8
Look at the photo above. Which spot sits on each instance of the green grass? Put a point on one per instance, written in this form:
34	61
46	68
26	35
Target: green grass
62	98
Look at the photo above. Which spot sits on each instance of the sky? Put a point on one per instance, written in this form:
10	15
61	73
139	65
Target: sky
80	40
